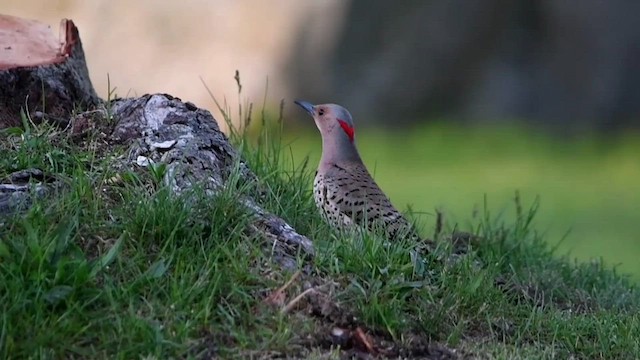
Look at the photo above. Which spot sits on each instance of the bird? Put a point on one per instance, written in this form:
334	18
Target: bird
343	189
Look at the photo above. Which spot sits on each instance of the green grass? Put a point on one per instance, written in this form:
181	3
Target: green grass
127	270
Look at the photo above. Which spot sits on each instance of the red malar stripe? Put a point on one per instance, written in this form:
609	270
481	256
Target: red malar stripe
347	129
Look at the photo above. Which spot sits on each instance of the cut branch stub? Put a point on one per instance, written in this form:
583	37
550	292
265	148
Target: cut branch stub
39	72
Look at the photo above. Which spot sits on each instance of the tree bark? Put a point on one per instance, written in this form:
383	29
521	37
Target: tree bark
160	128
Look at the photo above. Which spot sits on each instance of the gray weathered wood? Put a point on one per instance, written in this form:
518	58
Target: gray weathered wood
163	129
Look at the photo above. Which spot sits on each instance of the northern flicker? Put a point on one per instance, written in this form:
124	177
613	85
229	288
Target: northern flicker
343	190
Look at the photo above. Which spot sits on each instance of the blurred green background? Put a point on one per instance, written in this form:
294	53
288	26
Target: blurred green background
588	187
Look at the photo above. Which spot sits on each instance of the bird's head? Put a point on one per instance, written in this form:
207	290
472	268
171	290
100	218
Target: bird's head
333	121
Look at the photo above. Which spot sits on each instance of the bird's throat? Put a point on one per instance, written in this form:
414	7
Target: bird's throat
338	150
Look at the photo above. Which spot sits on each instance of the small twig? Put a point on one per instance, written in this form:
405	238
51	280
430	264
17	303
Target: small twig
277	297
247	119
439	223
297	299
365	340
291	280
237	79
518	205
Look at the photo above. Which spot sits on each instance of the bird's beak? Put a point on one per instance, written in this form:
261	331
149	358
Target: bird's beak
307	106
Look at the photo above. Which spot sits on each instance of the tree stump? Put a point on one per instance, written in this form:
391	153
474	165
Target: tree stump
39	73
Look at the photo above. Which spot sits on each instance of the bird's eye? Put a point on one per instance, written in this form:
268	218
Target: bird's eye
320	112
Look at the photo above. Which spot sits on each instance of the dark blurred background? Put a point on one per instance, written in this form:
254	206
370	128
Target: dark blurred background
568	65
